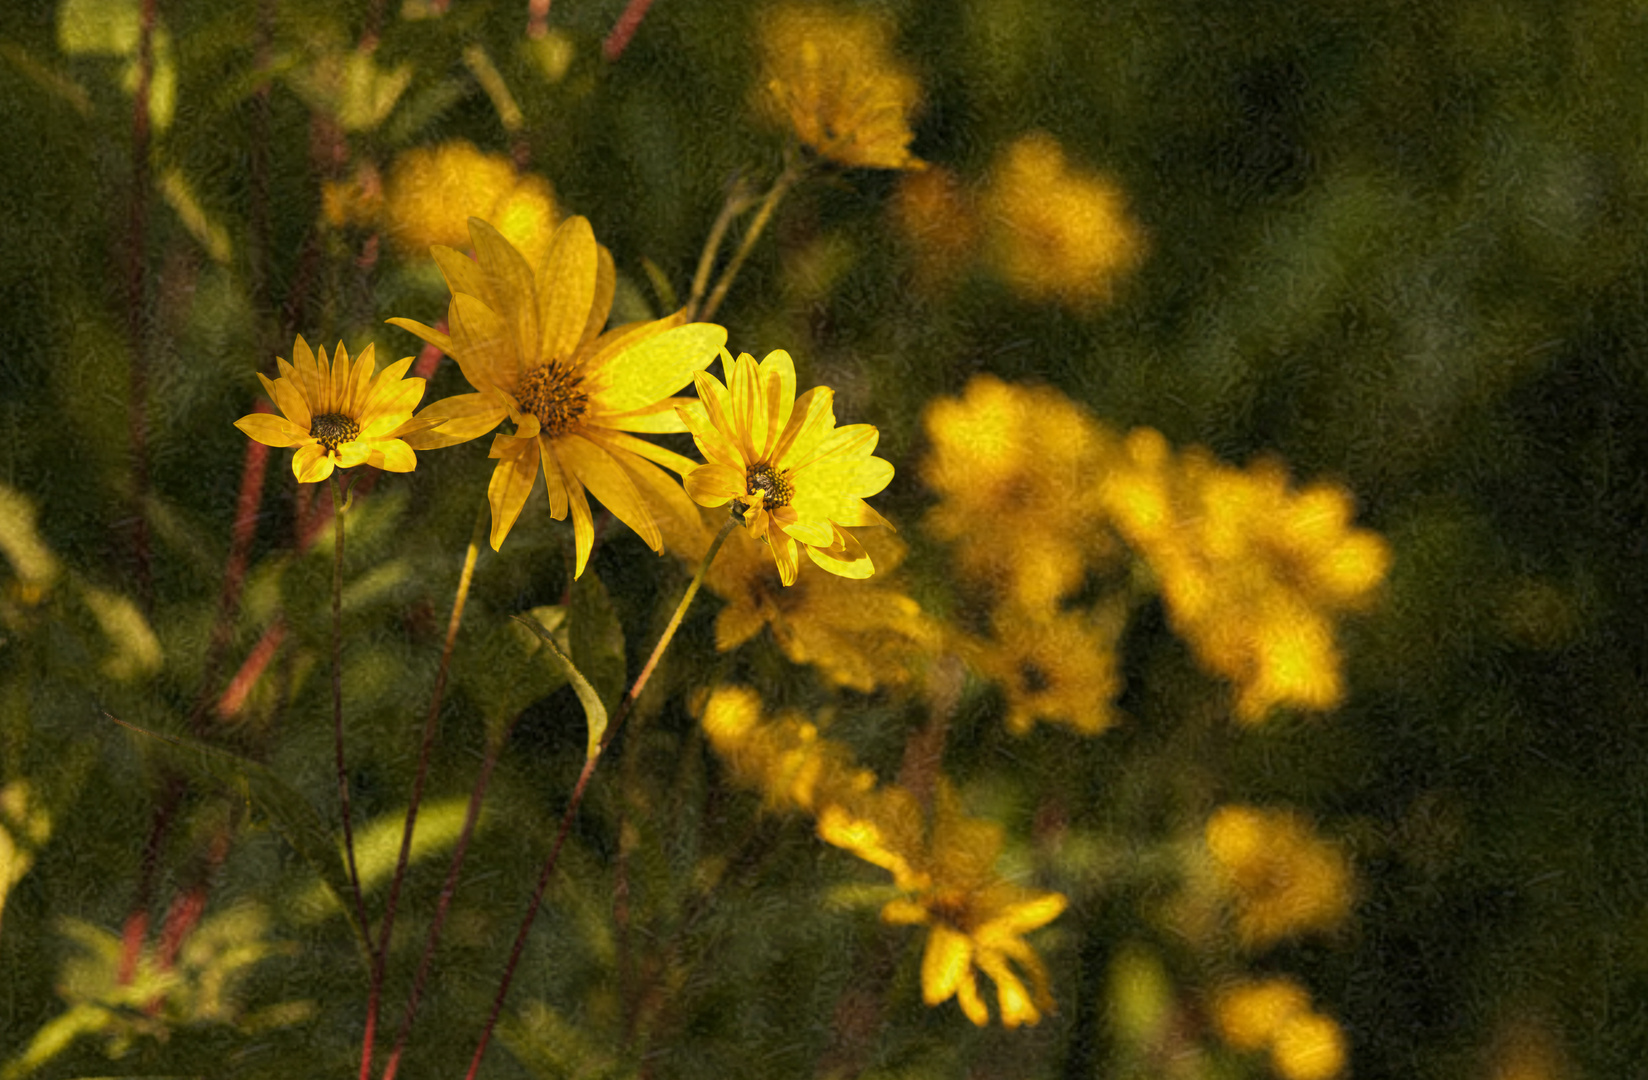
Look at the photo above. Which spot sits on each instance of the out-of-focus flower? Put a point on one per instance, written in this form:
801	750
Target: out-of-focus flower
1011	465
530	342
1056	232
939	218
787	758
357	200
1276	1014
976	919
791	475
1252	573
338	414
433	191
1054	665
1282	877
858	634
832	75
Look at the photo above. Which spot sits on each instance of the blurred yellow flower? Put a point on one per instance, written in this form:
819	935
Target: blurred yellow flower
1054	665
1058	233
858	634
832	75
433	191
338	414
1010	464
787	758
1276	1014
1252	574
357	200
791	475
1282	878
530	342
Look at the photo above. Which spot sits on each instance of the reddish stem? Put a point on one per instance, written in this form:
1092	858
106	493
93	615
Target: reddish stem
624	29
252	669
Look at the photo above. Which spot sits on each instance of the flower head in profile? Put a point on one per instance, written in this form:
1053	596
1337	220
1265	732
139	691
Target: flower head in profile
791	475
529	341
833	77
339	414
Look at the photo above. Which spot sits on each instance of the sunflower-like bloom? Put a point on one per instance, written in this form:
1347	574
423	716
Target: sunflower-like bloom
791	475
529	340
832	75
338	414
976	919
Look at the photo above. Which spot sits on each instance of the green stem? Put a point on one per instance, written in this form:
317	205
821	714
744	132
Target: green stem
579	788
792	174
738	201
339	508
375	996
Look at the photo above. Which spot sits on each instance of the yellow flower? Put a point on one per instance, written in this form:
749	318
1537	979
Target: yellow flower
529	340
1283	878
832	76
1249	1014
1309	1046
1010	464
1055	665
791	475
787	758
1059	233
433	191
338	414
858	634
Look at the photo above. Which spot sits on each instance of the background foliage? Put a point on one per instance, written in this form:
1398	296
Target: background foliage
1395	244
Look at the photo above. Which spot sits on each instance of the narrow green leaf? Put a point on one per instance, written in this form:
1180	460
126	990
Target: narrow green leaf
291	815
595	638
594	712
510	669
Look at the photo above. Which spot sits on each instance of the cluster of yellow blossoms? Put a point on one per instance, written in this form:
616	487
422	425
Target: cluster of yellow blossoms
1037	497
943	862
1281	877
1275	1015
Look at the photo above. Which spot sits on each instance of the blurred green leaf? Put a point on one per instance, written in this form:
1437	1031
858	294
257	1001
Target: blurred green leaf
512	669
594	712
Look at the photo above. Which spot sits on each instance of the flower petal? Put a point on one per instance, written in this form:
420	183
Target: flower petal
785	555
360	382
654	453
393	455
310	464
659	366
460	418
711	440
289	399
463	274
606	284
336	397
441	341
677	517
566	290
944	963
352	453
598	471
272	430
511	282
824	490
810	424
583	528
846	558
713	485
555	479
511	482
485	348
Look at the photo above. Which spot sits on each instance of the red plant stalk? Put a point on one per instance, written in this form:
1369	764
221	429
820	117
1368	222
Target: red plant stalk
624	29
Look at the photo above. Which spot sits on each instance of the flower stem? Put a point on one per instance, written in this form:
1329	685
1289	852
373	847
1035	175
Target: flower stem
738	201
578	789
337	707
375	996
792	174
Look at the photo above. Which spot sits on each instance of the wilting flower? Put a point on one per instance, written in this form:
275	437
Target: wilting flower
529	340
791	475
832	75
338	414
1060	233
433	191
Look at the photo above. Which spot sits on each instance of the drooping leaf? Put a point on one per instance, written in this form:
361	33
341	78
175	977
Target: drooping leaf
595	712
596	638
511	669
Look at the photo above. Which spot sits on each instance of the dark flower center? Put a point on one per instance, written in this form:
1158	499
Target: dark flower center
550	392
1033	678
764	478
333	429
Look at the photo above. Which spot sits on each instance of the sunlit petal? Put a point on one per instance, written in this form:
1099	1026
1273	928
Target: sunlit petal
511	482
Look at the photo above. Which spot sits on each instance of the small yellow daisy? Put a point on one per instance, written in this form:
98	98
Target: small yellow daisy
790	474
338	414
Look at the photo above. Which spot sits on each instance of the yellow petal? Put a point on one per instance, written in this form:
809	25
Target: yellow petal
288	399
583	528
707	437
658	418
652	452
606	284
944	964
736	624
598	471
566	293
659	366
360	382
393	455
308	371
463	275
272	430
511	283
678	520
713	485
778	394
555	479
441	341
352	453
511	482
337	389
811	423
846	559
460	418
310	464
485	345
785	555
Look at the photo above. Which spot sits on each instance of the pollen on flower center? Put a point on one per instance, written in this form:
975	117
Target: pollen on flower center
768	480
550	392
332	430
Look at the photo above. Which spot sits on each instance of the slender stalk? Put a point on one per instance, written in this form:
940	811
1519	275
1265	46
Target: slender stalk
738	201
793	172
624	29
448	888
430	725
578	789
337	706
137	407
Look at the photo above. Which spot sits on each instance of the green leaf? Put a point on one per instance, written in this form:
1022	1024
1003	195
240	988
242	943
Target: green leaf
511	669
596	638
594	712
291	815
